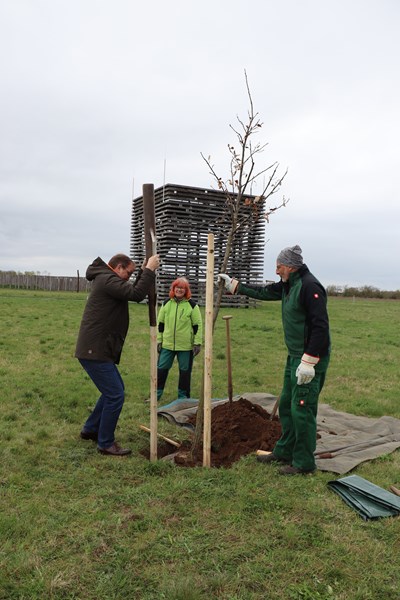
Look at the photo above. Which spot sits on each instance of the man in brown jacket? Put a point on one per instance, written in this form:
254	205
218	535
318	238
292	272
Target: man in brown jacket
102	333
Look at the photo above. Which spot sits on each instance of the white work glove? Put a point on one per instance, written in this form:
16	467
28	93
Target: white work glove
305	371
230	283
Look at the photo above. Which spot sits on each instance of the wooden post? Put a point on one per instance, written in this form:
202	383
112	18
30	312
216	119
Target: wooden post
208	345
151	248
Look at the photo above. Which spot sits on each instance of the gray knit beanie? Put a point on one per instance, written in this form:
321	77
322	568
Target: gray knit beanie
290	257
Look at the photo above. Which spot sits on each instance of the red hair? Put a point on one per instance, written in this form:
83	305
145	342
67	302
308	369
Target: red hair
181	282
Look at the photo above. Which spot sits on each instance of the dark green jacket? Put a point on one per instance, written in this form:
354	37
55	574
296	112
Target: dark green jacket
304	313
105	320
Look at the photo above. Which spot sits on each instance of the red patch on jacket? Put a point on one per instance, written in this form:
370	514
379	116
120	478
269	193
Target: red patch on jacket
316	295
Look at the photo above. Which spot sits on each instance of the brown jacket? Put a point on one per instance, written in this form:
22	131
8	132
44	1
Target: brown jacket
105	320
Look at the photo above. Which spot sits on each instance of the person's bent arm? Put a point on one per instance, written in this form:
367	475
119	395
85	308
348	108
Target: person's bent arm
271	291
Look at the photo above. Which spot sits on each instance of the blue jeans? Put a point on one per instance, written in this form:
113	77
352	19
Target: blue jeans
104	418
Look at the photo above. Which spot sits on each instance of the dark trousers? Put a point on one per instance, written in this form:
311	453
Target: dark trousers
185	362
105	415
298	406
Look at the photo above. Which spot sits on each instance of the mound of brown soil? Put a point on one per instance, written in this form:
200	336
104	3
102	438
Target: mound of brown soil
237	429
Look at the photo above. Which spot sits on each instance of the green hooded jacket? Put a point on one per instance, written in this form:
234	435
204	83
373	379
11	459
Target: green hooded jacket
180	326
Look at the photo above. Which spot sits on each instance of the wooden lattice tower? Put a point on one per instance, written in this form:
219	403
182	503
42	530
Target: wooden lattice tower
184	217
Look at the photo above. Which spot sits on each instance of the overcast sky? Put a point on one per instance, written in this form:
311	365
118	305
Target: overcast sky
96	95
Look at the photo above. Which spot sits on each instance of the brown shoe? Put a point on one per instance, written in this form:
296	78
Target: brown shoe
89	435
115	450
289	470
271	458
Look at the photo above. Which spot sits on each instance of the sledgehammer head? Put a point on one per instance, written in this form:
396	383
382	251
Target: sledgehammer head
226	317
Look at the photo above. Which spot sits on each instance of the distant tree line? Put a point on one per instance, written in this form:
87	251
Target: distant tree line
365	291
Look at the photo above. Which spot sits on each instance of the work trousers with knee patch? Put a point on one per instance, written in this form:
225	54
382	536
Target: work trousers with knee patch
298	406
185	362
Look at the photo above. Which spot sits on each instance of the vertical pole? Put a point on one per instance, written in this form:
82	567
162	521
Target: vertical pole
208	344
275	408
150	244
227	318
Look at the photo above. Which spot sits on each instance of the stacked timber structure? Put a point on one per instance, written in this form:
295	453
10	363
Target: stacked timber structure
184	217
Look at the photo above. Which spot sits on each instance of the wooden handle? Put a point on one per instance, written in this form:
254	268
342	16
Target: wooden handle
176	444
228	357
274	410
394	490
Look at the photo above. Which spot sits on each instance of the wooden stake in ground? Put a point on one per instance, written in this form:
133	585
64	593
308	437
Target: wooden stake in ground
227	318
151	249
208	343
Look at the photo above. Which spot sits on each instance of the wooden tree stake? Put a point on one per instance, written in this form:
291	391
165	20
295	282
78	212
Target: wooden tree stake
208	344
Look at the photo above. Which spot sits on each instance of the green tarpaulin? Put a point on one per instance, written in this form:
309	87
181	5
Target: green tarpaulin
368	499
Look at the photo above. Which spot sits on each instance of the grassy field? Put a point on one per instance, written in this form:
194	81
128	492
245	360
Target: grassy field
78	525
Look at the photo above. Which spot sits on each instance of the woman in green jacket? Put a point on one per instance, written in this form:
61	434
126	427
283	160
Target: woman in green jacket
180	331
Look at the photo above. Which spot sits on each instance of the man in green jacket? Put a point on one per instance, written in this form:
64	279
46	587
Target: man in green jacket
306	330
180	332
101	338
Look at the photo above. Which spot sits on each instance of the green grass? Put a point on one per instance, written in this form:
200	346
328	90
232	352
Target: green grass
78	525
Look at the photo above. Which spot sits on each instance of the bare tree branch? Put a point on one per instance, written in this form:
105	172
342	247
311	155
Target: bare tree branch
242	176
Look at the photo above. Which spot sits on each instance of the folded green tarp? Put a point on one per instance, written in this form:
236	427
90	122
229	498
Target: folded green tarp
368	499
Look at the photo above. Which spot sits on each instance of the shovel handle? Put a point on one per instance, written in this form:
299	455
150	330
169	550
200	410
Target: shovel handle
226	318
394	490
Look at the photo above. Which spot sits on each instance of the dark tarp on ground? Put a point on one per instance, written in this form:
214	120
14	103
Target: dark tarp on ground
349	439
368	499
